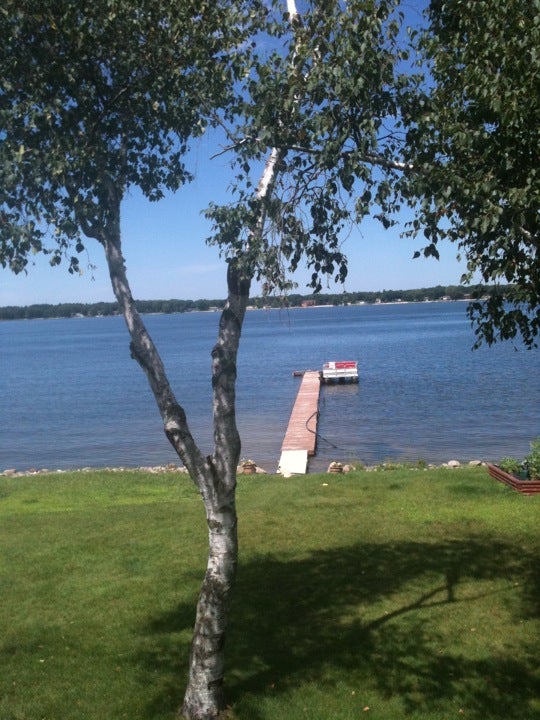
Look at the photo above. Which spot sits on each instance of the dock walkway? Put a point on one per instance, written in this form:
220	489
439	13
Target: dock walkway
300	440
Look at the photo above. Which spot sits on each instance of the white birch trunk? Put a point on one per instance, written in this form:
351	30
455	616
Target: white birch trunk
204	698
215	476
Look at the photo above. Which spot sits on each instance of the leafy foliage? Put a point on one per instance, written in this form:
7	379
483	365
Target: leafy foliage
328	103
98	97
533	460
474	140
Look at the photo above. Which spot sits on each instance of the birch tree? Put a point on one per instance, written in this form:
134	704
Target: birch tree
340	81
294	211
100	98
95	100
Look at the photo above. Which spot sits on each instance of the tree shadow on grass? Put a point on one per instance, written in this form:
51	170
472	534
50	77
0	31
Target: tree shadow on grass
315	620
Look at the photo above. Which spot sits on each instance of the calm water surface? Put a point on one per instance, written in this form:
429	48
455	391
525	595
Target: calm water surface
70	395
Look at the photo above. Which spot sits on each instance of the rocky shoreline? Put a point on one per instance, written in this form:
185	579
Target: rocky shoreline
334	467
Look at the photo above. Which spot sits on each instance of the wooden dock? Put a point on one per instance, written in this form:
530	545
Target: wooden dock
300	440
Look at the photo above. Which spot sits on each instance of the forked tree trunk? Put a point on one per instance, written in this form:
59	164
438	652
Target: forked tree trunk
214	476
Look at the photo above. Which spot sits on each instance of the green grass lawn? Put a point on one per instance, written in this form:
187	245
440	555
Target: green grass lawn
400	594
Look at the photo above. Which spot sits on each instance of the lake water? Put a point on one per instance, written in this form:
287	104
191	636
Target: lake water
70	395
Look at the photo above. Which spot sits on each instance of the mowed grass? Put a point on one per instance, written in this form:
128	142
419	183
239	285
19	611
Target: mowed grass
398	594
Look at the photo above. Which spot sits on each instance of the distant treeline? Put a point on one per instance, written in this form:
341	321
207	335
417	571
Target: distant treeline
440	292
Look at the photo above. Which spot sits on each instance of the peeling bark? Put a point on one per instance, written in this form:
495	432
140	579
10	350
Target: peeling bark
144	351
204	698
215	475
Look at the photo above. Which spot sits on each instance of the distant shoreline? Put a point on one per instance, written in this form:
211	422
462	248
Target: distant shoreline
439	293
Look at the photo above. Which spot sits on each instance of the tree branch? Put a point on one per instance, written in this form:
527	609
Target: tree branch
228	148
379	160
144	351
224	355
372	159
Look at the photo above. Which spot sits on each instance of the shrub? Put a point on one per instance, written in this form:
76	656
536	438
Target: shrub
533	460
510	465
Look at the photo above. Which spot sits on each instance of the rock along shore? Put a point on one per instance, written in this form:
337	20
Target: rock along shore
171	468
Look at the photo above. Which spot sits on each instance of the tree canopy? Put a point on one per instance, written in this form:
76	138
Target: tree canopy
337	72
99	97
96	100
473	139
326	123
370	122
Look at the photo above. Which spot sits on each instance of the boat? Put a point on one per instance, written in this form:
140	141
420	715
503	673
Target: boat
340	371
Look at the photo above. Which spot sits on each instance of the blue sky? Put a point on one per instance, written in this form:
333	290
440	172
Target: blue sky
166	255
